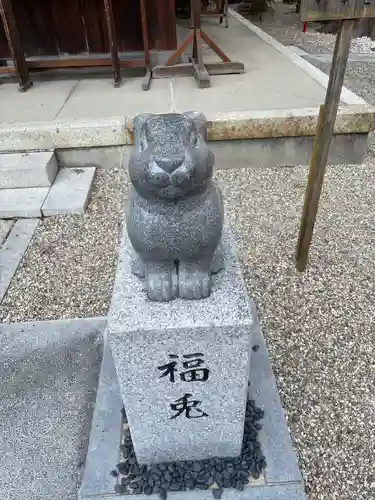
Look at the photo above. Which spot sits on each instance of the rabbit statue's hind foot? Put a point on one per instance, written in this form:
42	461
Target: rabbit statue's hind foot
167	281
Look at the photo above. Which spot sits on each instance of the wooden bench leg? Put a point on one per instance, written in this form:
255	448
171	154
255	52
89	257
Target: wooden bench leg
112	42
15	46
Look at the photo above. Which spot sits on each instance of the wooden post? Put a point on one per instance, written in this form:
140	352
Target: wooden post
146	46
112	42
326	122
15	46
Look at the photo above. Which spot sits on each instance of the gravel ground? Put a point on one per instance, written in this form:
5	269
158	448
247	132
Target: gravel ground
68	269
286	26
359	78
319	326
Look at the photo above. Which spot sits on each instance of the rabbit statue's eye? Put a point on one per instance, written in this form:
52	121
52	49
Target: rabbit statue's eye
142	144
193	139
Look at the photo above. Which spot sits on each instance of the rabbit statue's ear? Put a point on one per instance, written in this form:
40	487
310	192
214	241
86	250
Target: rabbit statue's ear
200	122
138	122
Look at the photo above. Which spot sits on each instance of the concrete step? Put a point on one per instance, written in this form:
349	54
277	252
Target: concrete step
27	170
70	192
23	202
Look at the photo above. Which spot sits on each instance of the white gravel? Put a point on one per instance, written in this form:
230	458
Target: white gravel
319	326
363	45
286	26
68	269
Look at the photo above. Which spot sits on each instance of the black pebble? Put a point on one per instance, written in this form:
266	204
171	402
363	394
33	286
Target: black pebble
134	469
120	489
123	468
260	413
123	413
201	486
219	482
218	493
190	483
202	477
255	347
114	473
174	487
240	486
163	494
201	474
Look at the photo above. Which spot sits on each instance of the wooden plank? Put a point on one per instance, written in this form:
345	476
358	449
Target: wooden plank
94	26
184	69
323	139
162	25
15	46
112	42
201	76
226	13
325	10
146	46
225	68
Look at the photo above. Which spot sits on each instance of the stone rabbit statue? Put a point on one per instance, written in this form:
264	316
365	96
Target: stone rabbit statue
175	210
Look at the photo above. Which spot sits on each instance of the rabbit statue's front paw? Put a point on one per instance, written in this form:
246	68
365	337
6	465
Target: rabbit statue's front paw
194	280
161	281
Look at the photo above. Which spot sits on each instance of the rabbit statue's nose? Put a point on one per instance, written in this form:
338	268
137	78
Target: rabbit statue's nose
170	164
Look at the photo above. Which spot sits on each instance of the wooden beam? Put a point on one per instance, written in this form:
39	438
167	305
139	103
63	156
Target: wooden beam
15	45
187	69
326	122
146	46
112	42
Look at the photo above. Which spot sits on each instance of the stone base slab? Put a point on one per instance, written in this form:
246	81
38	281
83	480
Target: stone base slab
282	478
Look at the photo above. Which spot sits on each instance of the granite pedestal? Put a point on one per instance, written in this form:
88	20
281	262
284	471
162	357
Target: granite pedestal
280	481
183	366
